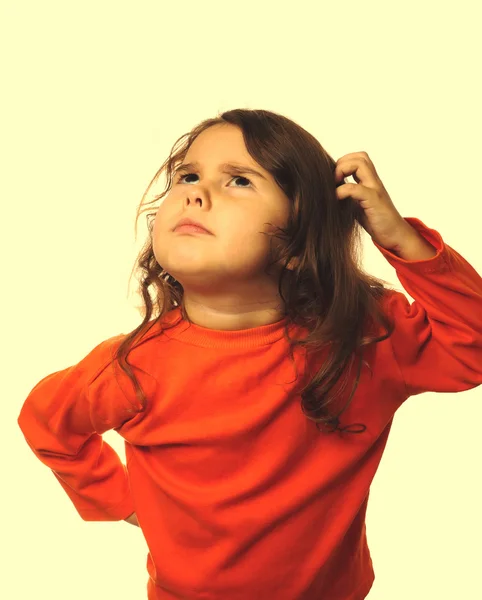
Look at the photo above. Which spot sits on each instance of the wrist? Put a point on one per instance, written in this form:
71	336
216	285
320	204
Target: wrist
413	246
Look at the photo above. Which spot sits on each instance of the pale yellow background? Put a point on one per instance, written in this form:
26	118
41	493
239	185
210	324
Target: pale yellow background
93	96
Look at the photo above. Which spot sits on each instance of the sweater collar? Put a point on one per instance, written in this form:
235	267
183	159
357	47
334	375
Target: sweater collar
196	335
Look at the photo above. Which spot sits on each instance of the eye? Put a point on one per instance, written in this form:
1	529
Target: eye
181	177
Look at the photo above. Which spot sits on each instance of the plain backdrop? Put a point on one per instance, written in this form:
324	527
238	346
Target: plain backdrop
94	94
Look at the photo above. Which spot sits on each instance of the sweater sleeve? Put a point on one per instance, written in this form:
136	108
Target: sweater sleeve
437	341
63	419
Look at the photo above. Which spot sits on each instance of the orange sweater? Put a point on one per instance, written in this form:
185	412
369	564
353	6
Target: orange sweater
238	494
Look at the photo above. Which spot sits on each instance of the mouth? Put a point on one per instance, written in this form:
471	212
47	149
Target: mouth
196	229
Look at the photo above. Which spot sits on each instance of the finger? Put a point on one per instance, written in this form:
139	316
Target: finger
359	169
362	156
355	191
354	156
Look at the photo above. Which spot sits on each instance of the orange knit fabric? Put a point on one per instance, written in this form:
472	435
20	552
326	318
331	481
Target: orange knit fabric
237	493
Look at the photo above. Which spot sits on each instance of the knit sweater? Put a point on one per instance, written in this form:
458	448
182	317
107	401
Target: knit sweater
238	494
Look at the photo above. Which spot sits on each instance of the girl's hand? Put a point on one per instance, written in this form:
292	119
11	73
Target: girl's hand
133	520
381	219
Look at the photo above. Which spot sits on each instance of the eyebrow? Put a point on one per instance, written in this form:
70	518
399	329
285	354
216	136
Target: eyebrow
224	167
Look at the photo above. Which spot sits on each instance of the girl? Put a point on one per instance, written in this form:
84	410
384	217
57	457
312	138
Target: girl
268	368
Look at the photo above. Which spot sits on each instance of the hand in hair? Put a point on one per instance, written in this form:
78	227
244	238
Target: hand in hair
380	218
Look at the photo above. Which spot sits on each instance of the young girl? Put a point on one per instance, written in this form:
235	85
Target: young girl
257	395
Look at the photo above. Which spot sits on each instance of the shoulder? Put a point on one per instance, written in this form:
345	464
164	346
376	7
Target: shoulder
100	357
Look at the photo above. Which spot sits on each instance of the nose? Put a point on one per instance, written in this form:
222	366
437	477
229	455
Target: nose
197	199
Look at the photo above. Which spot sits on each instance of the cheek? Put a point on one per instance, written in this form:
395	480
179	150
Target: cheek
161	220
160	233
156	226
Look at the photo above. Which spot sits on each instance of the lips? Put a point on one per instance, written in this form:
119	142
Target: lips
192	225
191	229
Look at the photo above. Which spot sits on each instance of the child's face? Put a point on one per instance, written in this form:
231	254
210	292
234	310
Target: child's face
231	261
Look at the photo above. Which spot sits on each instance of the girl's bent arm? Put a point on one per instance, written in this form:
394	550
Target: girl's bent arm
63	419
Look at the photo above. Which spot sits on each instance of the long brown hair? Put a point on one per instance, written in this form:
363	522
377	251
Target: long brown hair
328	292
